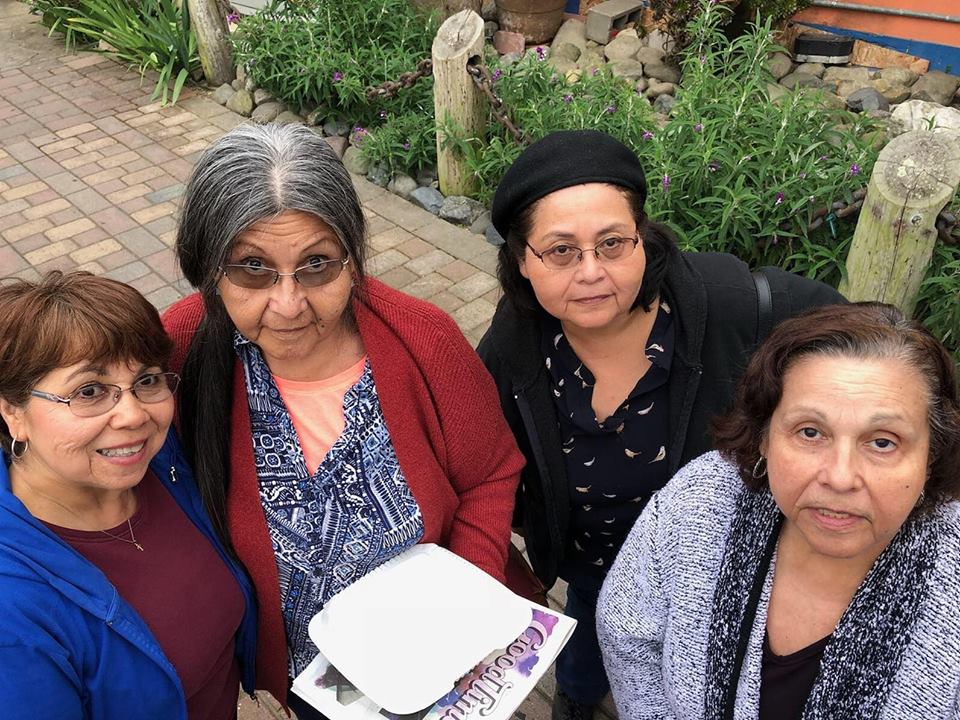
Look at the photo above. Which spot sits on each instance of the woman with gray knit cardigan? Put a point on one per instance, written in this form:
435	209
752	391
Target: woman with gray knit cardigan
810	568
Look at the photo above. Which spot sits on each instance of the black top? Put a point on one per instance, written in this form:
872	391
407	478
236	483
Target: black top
613	466
786	680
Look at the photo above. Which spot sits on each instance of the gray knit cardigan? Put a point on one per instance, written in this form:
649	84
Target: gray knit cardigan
654	613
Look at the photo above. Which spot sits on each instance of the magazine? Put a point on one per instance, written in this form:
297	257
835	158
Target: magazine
428	635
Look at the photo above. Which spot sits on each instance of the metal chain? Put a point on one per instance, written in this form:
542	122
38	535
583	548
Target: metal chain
390	88
481	78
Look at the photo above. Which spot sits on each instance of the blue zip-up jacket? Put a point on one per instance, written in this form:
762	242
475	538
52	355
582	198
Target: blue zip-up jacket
70	647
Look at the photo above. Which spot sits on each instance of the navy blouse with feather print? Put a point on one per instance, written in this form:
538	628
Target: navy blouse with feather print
614	466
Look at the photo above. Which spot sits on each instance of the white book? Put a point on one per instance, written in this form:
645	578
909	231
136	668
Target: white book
428	635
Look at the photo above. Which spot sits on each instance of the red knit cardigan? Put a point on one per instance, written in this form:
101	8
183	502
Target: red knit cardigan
442	410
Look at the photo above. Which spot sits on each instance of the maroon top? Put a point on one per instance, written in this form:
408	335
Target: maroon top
182	590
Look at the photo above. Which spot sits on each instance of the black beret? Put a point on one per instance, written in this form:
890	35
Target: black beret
560	160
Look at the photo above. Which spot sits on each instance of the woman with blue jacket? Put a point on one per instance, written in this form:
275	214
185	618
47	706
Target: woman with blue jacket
117	601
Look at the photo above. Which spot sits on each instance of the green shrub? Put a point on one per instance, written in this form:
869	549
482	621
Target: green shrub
324	53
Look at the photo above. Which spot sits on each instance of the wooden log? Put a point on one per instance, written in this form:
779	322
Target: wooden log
210	25
456	99
913	179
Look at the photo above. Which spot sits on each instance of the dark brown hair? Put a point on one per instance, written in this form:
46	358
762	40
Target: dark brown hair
67	318
862	331
658	244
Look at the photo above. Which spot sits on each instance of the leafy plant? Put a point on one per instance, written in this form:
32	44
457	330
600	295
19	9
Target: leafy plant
405	143
938	304
324	53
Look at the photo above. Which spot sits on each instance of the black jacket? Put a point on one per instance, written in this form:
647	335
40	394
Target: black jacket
713	299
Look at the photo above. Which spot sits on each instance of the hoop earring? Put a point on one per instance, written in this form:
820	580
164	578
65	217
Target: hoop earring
13	448
923	496
759	472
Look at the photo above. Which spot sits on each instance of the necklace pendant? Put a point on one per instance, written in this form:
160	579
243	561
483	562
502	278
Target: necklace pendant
138	546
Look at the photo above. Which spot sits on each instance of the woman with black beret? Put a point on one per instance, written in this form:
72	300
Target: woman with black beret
611	350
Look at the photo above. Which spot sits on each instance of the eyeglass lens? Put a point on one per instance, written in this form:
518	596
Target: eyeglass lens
254	277
97	398
564	256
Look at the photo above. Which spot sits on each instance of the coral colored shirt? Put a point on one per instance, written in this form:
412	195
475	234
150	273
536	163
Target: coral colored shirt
316	408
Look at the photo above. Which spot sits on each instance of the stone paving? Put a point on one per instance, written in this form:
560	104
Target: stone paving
91	172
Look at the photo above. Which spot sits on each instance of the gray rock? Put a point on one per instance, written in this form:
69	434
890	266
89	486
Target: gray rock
223	93
288	117
336	126
267	112
664	104
241	73
779	65
339	144
460	210
489	28
629	69
899	76
798	79
656	89
641	85
354	161
936	86
241	102
488	10
261	96
893	93
829	101
379	175
493	236
479	226
428	198
427	176
316	116
659	40
573	32
566	51
847	88
815	69
402	185
663	72
920	115
775	91
562	65
590	60
867	99
237	84
623	47
649	56
852	73
249	85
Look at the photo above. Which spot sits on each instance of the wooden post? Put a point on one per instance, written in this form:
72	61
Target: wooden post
455	98
210	26
913	179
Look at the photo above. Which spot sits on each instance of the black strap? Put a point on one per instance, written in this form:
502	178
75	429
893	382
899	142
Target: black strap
750	613
764	305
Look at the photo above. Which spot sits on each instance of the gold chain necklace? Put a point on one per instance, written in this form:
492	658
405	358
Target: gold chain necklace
132	540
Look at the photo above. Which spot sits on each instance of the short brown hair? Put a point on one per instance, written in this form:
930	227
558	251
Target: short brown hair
859	330
66	318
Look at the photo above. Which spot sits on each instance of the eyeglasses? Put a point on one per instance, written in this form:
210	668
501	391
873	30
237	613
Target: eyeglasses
563	257
96	398
258	277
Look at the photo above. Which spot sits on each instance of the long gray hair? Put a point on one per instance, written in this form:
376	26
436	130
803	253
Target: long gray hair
253	173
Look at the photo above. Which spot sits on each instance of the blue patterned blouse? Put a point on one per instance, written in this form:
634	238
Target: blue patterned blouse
334	526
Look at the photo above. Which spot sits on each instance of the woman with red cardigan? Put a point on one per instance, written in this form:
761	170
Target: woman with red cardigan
333	422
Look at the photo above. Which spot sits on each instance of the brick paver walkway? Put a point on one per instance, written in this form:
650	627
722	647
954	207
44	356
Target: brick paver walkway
91	172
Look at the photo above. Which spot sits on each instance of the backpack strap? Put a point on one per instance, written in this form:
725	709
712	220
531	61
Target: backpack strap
764	305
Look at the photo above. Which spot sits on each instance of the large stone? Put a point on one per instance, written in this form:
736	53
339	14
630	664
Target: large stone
223	93
899	76
241	102
488	10
660	40
920	115
427	176
590	61
629	69
894	94
663	72
336	126
573	32
236	84
664	104
815	69
867	99
261	96
655	90
562	65
852	73
775	91
829	101
288	117
649	56
428	198
799	79
267	112
936	86
490	29
507	42
339	144
779	65
379	175
479	226
316	116
565	51
241	73
402	185
623	47
460	210
641	85
354	161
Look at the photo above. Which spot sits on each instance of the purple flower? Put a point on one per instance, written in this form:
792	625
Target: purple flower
821	158
698	127
854	169
703	59
666	182
405	146
611	109
358	135
803	175
779	199
713	166
497	74
647	135
337	76
233	18
568	99
541	53
594	72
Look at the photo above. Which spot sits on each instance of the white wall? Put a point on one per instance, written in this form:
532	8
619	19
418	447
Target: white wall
248	6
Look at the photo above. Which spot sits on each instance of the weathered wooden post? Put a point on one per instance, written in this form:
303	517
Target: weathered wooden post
211	28
914	177
456	99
